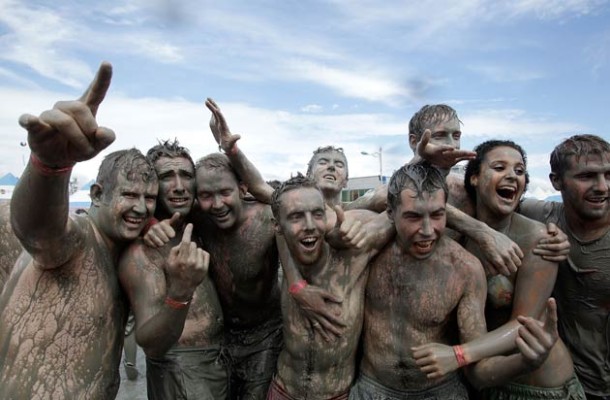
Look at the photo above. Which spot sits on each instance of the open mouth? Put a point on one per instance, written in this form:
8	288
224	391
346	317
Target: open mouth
331	178
507	192
597	199
424	246
133	220
179	200
309	242
221	215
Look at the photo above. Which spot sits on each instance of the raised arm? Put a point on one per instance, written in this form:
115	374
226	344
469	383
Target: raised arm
160	290
58	139
228	143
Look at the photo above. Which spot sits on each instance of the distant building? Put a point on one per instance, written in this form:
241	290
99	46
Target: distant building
356	187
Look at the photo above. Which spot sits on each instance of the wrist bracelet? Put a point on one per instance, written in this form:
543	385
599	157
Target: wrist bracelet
45	169
151	222
297	286
175	304
459	356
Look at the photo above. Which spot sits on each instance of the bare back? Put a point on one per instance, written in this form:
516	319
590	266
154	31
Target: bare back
61	330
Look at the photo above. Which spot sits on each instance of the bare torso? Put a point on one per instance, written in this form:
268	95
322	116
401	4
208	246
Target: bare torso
10	248
62	335
204	322
503	303
308	366
244	267
408	303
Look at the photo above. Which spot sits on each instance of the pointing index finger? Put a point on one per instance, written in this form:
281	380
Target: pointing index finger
95	93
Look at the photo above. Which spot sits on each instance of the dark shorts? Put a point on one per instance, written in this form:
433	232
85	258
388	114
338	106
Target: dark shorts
187	374
253	357
571	390
276	392
366	388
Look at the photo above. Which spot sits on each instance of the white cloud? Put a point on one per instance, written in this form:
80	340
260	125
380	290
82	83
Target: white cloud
511	123
312	108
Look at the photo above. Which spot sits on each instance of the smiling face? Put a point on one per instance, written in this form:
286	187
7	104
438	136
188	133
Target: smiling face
500	182
585	186
420	221
125	210
329	171
302	222
220	196
176	185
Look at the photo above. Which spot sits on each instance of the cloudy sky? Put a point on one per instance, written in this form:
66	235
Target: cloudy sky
293	75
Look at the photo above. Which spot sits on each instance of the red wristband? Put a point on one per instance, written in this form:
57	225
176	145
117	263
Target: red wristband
459	356
297	286
152	221
45	169
175	304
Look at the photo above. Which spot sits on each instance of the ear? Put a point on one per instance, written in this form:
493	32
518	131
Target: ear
243	189
390	214
412	142
96	193
556	181
474	180
276	227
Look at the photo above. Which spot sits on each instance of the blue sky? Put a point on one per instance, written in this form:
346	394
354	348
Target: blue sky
294	75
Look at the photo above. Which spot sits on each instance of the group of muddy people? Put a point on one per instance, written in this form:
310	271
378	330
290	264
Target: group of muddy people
434	286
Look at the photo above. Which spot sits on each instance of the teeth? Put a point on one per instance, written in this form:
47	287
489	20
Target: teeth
133	220
424	245
309	240
330	178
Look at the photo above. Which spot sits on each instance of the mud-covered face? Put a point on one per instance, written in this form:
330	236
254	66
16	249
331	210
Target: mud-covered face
176	185
501	180
302	222
419	221
220	196
585	186
329	171
125	211
446	132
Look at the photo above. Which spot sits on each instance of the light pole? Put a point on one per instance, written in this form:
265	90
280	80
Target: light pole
377	154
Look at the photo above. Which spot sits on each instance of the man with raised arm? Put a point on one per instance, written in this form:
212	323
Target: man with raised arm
244	266
63	312
580	170
308	366
179	322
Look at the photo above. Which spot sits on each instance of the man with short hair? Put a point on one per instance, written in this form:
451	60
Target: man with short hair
63	311
423	287
308	367
179	321
580	170
244	265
